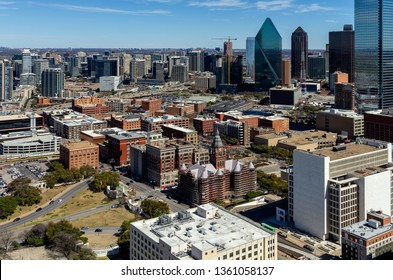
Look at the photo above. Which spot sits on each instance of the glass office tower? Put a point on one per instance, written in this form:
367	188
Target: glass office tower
299	54
268	57
250	56
374	54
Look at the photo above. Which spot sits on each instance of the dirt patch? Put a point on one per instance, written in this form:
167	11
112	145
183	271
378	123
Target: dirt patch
110	218
34	253
101	240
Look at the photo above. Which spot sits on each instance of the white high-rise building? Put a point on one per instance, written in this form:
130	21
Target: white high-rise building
203	233
332	188
26	61
6	80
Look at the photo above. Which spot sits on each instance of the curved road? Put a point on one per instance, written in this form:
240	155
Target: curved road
48	208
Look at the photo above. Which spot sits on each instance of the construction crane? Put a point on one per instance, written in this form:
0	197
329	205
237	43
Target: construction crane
228	40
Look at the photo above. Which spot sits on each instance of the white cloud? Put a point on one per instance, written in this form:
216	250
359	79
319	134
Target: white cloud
275	5
101	10
221	4
313	8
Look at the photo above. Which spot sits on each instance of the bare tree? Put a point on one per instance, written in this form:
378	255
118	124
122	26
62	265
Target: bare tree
6	239
65	243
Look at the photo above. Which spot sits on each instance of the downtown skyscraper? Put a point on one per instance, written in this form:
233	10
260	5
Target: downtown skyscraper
342	51
268	57
374	54
299	54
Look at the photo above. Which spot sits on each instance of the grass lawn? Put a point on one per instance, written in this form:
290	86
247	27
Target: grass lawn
82	201
110	218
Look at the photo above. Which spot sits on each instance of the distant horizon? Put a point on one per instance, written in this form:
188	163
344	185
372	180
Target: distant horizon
165	23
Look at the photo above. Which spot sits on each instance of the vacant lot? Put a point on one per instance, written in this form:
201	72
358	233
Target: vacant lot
101	240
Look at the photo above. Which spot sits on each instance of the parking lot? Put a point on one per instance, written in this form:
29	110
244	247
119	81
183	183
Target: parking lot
35	171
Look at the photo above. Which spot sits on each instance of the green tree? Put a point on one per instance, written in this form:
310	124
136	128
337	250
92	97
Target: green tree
50	180
36	235
124	242
62	226
251	195
126	225
18	183
87	171
102	180
272	183
154	208
8	206
27	195
85	254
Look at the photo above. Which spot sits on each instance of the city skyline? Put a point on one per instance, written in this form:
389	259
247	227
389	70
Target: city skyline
164	23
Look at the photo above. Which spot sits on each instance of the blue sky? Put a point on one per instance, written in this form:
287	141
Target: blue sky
163	23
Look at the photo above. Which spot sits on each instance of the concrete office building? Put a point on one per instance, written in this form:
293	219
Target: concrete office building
333	188
53	82
379	125
205	81
207	232
39	66
196	60
343	122
234	129
78	154
158	71
179	73
70	126
287	96
6	80
20	122
344	96
38	144
368	239
138	69
27	79
110	83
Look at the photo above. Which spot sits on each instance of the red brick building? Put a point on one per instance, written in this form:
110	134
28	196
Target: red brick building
153	124
119	146
204	125
78	154
92	109
130	122
379	125
251	120
279	124
152	105
180	109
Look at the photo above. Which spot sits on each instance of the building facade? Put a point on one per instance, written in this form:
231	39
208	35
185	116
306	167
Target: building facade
342	52
379	125
299	54
333	188
78	154
373	60
52	82
368	239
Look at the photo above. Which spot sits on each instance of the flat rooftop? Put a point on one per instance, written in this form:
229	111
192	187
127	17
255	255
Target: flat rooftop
80	145
272	118
223	231
364	231
343	113
102	132
179	128
352	149
17	117
127	135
